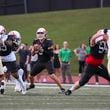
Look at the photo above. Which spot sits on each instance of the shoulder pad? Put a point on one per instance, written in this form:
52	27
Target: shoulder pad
4	38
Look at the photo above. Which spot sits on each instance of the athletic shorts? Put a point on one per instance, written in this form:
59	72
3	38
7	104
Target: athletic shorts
11	66
39	66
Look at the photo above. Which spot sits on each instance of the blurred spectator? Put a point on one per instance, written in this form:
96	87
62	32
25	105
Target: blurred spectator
24	59
57	65
65	55
81	54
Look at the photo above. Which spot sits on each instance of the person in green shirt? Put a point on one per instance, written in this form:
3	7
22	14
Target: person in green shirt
65	56
87	50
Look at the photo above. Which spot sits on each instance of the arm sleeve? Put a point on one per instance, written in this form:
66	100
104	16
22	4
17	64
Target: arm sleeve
48	49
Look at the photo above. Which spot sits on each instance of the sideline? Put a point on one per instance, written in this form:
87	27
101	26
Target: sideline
51	85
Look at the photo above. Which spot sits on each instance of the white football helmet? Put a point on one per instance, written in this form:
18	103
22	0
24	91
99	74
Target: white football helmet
2	30
16	36
41	33
108	31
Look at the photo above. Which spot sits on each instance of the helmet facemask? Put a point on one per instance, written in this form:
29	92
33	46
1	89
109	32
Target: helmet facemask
15	37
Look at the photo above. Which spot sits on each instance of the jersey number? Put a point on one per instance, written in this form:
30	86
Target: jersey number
102	47
3	48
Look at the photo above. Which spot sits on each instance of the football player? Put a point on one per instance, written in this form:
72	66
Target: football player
94	62
7	48
108	43
2	81
44	49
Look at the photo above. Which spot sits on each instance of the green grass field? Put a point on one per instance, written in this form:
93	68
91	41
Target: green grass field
46	97
72	25
75	26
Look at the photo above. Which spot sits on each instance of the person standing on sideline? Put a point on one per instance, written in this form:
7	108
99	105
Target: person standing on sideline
81	54
94	62
65	55
57	65
45	58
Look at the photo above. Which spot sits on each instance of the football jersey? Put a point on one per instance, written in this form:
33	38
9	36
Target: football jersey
6	50
99	50
47	52
108	41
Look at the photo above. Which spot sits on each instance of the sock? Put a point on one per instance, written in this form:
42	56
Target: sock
20	80
17	83
22	85
20	73
17	86
72	88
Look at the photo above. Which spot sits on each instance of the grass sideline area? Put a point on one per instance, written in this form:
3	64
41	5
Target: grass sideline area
46	97
75	26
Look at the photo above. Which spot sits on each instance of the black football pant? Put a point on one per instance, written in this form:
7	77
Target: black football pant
90	70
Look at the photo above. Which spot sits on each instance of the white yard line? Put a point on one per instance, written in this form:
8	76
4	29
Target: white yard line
51	85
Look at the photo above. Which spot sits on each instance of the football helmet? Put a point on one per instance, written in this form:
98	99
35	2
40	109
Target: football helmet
41	33
102	31
2	30
15	37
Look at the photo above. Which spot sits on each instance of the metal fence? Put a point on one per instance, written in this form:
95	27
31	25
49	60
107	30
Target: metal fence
29	6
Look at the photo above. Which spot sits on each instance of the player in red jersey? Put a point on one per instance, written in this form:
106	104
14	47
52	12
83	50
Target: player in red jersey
94	62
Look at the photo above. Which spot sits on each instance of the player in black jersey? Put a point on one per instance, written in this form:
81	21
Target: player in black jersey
94	62
45	57
9	43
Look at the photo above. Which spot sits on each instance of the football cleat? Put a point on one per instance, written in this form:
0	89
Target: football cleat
31	87
68	92
2	91
24	90
17	89
2	88
62	91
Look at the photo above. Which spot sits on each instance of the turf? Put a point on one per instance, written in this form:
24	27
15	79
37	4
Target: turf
72	25
75	26
47	98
